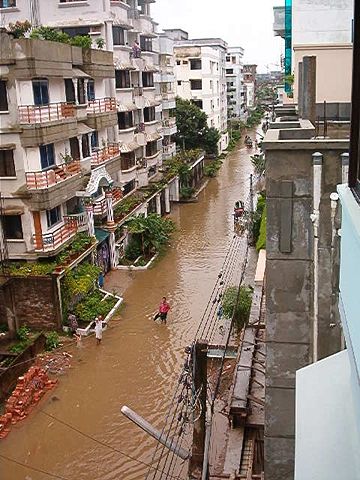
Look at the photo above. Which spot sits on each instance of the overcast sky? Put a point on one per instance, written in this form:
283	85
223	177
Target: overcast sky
245	23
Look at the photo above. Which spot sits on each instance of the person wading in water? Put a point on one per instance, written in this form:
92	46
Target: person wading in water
164	307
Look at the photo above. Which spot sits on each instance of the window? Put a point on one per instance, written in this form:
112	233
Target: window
195	64
228	59
7	165
91	89
185	62
178	62
146	44
211	85
81	90
3	96
41	92
85	146
149	114
125	120
196	84
69	90
148	79
118	36
151	149
53	216
198	103
74	31
233	59
122	78
229	71
179	82
47	156
128	187
94	140
127	161
12	227
7	3
74	148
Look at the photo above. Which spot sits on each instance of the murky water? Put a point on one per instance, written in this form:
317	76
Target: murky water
139	360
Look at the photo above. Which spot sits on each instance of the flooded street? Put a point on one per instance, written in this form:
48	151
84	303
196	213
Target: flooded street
138	361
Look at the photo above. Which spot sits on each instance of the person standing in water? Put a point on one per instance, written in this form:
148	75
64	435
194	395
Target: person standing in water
164	307
98	330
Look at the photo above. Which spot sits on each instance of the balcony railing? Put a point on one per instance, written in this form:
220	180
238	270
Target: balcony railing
48	178
52	240
140	128
104	154
80	218
169	122
100	207
101	105
168	95
34	114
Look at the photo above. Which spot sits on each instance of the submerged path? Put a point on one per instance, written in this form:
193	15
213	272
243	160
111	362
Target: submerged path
139	360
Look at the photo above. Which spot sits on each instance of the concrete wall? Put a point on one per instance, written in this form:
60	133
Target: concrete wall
290	279
327	427
333	71
321	21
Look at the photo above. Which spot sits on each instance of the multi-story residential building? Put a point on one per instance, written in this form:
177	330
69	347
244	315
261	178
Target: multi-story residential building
250	84
165	82
127	29
200	77
235	82
58	132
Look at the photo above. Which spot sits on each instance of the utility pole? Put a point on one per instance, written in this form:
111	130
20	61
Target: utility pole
251	222
200	384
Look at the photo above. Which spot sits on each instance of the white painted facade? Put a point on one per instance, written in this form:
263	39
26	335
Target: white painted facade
235	82
200	77
119	24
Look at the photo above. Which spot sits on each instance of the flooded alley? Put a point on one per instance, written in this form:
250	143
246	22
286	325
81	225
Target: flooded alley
138	361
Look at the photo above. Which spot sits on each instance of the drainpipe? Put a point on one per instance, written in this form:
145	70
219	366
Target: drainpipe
344	167
317	158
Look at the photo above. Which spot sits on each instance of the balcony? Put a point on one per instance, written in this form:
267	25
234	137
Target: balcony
279	21
104	154
100	206
38	114
101	105
50	241
47	178
169	150
169	126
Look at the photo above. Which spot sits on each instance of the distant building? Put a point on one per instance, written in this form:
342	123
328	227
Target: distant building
235	82
200	77
250	84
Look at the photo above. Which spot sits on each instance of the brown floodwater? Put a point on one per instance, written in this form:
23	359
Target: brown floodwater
138	362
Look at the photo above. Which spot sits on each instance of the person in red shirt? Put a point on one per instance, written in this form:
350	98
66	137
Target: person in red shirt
164	307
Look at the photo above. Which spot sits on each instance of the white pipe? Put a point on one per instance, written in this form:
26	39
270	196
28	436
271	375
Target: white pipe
317	172
344	167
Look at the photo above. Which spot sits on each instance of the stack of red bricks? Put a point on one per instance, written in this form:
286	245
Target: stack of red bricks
29	389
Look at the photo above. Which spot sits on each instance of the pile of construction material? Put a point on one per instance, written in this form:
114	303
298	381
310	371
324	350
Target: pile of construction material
29	390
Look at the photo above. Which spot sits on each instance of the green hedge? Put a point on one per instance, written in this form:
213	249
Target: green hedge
261	242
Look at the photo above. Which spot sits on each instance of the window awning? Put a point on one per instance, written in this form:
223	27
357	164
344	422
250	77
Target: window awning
119	65
13	210
152	137
151	103
101	235
7	146
83	129
77	73
122	107
150	68
120	23
128	147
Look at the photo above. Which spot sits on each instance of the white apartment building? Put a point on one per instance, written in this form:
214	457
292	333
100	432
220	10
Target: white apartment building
80	126
235	82
250	84
200	77
127	29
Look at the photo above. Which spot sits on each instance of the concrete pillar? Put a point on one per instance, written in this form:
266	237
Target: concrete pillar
177	189
90	219
109	209
167	200
309	92
75	82
113	258
86	82
158	204
38	230
81	154
344	167
300	89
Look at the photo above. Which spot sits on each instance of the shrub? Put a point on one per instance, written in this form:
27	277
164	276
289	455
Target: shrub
83	41
23	333
133	249
52	340
257	217
19	347
186	192
239	305
19	29
100	43
211	169
93	306
261	242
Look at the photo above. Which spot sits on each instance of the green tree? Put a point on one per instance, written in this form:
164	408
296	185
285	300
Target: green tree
211	139
237	303
191	124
